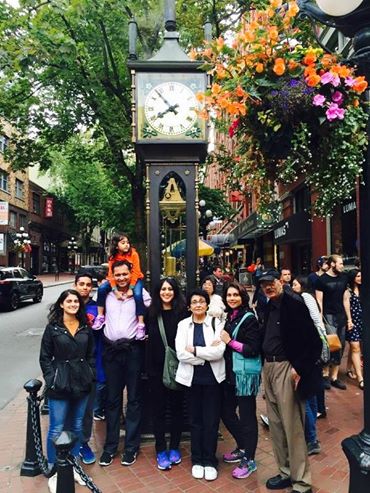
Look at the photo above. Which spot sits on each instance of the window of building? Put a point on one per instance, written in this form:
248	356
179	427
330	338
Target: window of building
22	221
19	189
4	141
36	203
4	181
302	200
13	219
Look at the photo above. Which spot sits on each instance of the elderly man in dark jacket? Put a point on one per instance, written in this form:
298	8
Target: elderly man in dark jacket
292	349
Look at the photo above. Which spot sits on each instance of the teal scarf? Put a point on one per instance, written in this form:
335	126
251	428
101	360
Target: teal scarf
247	370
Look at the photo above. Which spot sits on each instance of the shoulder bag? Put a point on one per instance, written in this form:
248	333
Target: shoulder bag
170	360
247	370
332	336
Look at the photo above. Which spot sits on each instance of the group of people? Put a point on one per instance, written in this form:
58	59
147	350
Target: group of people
90	354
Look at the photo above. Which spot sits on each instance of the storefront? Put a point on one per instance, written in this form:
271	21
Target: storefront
292	243
349	229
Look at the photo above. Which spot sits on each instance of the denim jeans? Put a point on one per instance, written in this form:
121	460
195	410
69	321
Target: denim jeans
310	422
61	412
105	288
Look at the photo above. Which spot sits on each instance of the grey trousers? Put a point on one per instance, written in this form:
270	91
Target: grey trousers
286	413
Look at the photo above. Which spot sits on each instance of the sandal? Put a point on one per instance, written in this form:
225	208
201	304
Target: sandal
361	385
351	375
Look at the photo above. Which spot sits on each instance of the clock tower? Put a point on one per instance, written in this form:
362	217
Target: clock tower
171	139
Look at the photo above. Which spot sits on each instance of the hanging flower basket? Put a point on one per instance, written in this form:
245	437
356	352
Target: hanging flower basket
291	108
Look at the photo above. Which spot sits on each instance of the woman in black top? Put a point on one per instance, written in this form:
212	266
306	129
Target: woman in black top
243	337
68	367
169	303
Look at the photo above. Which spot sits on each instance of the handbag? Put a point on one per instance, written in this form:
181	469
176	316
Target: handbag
332	336
171	362
247	370
325	351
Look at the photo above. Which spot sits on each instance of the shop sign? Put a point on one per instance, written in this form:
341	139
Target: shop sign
349	207
49	206
294	228
4	213
2	243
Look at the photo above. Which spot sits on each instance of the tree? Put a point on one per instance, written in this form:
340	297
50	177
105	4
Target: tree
63	70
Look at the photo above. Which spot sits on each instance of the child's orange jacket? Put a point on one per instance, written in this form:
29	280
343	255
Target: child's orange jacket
133	257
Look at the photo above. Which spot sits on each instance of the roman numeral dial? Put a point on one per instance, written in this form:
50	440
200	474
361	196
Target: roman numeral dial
170	108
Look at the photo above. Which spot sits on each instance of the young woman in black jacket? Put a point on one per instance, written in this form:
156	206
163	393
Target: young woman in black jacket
243	338
169	304
67	363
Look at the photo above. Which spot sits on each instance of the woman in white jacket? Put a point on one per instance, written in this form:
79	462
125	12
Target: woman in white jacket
216	306
202	369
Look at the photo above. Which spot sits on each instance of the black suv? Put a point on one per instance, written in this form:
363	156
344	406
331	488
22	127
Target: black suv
94	271
17	285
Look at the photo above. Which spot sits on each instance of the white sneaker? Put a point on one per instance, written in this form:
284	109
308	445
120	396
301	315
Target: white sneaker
197	471
210	473
77	478
52	483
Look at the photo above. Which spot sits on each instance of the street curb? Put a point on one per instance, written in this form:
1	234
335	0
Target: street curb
57	283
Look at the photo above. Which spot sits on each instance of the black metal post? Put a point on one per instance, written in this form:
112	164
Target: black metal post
30	466
63	445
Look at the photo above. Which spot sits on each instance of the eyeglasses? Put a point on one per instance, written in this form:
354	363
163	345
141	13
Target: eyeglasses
198	302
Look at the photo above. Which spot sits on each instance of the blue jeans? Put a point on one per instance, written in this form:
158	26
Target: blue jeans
61	410
106	288
310	422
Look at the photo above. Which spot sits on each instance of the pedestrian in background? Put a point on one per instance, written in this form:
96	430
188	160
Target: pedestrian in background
68	367
322	267
243	338
354	334
168	307
216	305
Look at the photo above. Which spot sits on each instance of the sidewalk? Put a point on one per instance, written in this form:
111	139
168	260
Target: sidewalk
49	280
329	469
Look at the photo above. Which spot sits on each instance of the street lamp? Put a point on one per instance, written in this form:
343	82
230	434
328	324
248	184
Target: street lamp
205	218
72	247
22	243
352	18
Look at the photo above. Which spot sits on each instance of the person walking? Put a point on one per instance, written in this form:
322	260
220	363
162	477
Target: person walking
216	306
333	299
68	366
123	360
291	374
243	338
166	310
354	335
201	369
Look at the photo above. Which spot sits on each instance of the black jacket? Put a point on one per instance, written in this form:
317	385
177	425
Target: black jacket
302	343
249	333
67	362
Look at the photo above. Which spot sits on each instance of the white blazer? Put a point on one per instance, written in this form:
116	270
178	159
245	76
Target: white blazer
213	354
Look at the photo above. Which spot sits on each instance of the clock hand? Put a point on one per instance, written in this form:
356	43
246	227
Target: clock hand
171	108
163	98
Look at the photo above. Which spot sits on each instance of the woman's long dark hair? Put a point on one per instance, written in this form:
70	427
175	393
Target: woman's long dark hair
116	238
351	276
241	290
56	311
178	303
306	285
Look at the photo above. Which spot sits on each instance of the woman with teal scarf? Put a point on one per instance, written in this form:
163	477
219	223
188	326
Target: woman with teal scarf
243	338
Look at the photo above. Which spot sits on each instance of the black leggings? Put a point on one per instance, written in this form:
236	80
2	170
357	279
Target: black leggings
243	428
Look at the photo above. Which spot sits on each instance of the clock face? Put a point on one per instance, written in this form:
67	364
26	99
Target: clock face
170	108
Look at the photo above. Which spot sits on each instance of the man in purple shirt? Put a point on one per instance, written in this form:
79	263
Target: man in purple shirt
123	356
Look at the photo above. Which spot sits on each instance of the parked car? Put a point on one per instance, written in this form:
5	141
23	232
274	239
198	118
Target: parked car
95	271
16	285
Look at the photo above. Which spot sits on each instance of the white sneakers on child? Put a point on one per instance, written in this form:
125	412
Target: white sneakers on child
52	482
210	473
197	471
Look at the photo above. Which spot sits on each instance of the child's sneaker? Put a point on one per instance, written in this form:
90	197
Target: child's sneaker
175	456
98	322
140	332
244	469
234	456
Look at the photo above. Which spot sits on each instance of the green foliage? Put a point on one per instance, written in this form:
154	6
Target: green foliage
215	201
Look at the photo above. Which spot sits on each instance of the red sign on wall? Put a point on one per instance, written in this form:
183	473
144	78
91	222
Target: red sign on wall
49	207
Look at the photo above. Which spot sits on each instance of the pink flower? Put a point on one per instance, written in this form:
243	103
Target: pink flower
349	81
337	97
334	112
330	78
319	100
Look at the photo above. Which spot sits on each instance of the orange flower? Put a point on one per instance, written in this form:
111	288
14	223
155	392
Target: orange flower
312	80
360	84
216	88
310	58
220	43
279	67
220	71
327	60
293	9
275	4
310	70
260	68
273	33
356	103
240	92
292	65
344	71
